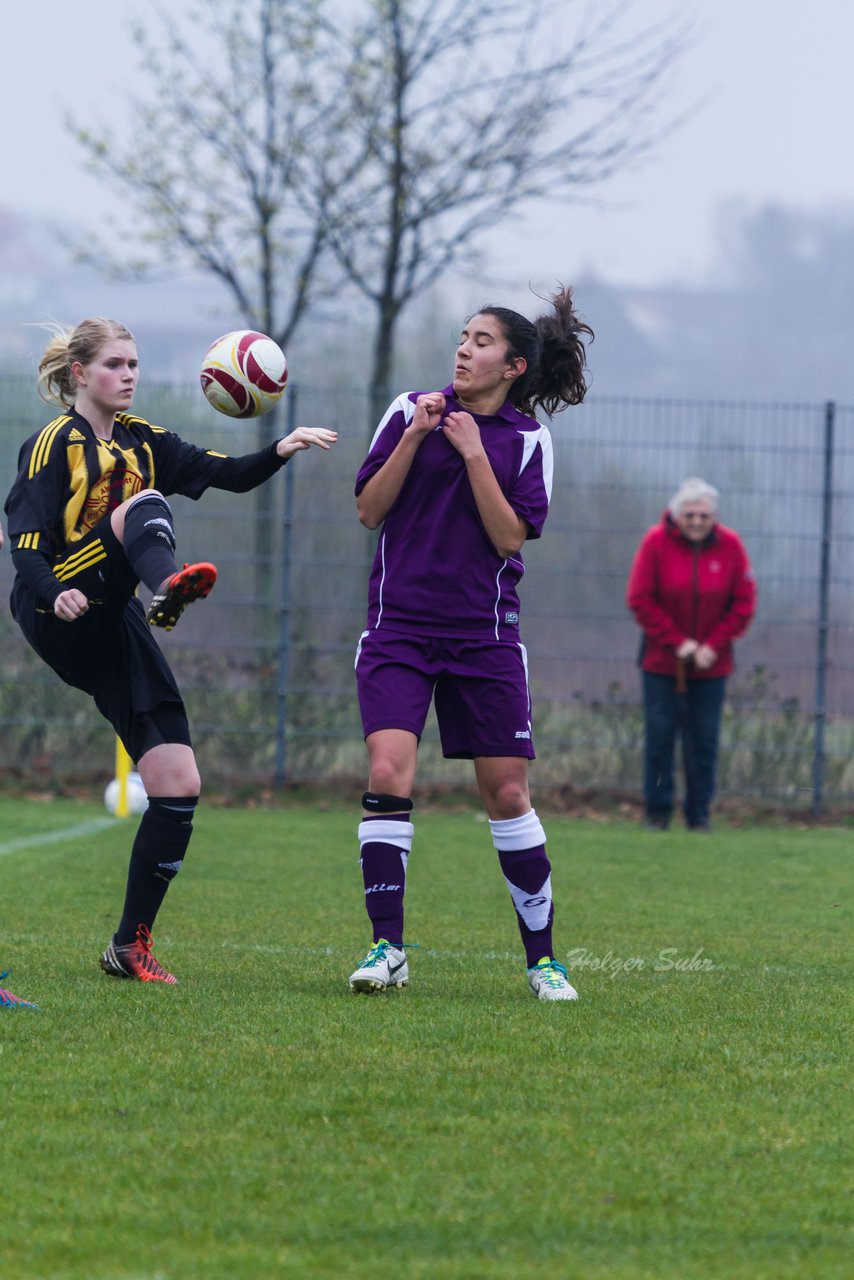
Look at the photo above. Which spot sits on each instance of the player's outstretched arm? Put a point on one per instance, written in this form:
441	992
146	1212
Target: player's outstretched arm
304	438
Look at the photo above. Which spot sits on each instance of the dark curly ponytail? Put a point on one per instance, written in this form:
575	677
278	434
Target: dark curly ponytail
553	347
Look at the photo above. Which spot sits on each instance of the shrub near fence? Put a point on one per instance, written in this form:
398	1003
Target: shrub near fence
266	662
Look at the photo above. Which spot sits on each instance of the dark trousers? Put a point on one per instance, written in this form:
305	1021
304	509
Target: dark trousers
695	716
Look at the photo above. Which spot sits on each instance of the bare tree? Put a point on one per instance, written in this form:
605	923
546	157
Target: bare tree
463	114
384	136
214	174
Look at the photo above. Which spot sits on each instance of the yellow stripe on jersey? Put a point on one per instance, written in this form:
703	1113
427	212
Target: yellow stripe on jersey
72	560
151	471
84	559
28	541
79	483
128	418
46	437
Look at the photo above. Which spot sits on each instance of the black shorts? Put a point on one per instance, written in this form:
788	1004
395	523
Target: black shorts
109	653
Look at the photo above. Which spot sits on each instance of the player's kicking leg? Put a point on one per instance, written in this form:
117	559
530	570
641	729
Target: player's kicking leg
144	527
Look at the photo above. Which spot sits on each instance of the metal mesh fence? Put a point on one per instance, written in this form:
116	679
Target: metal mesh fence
266	663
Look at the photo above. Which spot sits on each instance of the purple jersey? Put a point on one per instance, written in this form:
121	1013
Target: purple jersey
435	571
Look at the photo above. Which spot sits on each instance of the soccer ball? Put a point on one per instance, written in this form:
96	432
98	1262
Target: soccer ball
136	797
244	374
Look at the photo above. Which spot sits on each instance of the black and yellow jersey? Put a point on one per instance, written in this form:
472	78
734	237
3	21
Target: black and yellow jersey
69	479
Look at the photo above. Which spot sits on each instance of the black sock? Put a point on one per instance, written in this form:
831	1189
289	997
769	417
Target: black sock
158	851
149	540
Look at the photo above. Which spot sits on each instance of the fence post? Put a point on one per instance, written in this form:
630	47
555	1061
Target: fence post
823	613
285	608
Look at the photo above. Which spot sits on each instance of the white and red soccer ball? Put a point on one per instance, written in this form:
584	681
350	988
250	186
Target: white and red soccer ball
244	374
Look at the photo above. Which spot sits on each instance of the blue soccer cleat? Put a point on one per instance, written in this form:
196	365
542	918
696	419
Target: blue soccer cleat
8	1000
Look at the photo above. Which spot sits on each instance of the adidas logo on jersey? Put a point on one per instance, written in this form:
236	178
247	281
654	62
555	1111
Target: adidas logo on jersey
76	435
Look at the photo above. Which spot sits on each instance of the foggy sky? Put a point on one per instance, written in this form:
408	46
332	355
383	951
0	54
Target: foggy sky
775	81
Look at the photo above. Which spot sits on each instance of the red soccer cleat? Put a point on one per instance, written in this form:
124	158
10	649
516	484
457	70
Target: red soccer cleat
193	582
134	960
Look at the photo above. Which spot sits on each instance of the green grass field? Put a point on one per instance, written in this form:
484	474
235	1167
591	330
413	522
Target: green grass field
685	1119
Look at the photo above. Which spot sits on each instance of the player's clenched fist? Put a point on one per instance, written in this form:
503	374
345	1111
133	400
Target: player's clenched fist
428	411
70	605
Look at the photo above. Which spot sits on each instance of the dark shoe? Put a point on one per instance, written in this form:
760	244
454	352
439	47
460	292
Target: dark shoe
193	582
657	824
134	960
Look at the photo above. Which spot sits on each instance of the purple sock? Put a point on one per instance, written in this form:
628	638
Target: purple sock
385	844
527	872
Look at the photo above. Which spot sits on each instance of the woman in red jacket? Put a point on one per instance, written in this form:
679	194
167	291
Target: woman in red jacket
692	591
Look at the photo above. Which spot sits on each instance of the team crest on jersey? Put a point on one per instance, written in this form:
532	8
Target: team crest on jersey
105	496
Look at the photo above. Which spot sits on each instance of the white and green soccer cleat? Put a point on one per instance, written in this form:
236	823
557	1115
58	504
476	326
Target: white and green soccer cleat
547	979
384	966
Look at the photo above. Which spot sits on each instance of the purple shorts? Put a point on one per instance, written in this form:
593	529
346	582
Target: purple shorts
483	706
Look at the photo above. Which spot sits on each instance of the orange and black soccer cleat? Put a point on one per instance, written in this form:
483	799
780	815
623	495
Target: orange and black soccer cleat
193	582
134	960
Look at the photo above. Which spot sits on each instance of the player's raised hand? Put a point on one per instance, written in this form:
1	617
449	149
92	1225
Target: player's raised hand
70	605
304	438
428	412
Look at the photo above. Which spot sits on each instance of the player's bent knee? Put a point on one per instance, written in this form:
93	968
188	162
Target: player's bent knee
149	497
170	770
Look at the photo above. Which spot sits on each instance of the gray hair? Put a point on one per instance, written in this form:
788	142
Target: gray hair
693	490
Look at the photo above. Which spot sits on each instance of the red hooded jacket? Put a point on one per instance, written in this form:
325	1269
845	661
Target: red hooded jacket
680	590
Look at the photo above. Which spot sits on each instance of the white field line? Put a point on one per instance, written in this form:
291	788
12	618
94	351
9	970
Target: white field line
89	828
282	949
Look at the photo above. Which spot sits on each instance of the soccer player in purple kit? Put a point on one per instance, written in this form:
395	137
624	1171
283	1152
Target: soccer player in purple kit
459	479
